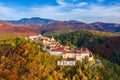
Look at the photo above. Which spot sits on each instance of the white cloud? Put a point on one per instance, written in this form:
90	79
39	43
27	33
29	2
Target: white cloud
62	2
81	4
90	13
6	12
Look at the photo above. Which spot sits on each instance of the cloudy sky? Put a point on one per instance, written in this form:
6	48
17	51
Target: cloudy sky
82	10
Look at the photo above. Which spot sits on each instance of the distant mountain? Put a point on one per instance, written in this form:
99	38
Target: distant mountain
64	26
77	25
33	20
6	27
50	25
72	21
105	26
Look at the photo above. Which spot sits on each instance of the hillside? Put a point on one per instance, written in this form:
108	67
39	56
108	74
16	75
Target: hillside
26	61
64	26
103	43
18	30
75	25
106	26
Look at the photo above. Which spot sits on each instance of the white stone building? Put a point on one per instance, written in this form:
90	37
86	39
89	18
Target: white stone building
55	48
79	54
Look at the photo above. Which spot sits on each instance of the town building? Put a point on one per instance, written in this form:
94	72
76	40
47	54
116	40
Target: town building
55	48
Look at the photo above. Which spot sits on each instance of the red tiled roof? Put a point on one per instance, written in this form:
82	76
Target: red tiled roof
82	53
70	51
59	50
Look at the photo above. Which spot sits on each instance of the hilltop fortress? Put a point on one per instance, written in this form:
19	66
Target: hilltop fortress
55	48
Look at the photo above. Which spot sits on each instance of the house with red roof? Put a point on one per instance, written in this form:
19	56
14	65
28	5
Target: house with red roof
55	48
79	54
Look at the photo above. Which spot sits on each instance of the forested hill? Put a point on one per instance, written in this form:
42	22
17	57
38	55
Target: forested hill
105	44
26	61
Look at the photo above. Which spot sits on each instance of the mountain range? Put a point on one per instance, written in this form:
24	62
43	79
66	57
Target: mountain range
48	25
33	20
64	26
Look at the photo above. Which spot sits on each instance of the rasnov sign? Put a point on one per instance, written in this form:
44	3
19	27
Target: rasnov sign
66	63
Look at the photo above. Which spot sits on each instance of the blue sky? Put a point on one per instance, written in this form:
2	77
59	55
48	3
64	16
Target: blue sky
82	10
